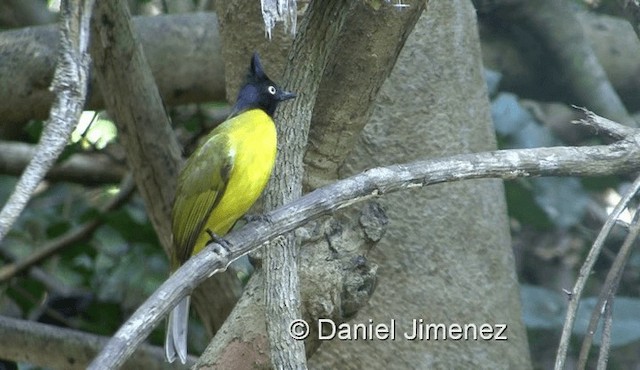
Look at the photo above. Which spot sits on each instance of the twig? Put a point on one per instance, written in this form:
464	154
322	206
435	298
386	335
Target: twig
42	306
609	288
70	85
605	344
618	157
73	236
601	124
585	270
51	283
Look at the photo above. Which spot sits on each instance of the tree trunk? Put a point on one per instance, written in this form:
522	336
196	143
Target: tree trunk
446	257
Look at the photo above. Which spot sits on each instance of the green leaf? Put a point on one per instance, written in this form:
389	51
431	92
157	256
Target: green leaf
34	130
522	206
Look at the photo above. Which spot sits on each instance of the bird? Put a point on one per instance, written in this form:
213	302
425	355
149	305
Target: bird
221	180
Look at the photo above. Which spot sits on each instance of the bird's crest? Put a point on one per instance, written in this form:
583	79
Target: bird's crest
259	91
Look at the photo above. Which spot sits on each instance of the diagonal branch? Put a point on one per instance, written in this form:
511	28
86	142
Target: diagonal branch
153	153
70	85
80	233
585	271
609	288
620	157
132	99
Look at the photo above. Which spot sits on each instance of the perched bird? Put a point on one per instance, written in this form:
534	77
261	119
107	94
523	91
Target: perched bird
221	181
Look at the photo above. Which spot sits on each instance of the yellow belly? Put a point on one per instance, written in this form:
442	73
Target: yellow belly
253	140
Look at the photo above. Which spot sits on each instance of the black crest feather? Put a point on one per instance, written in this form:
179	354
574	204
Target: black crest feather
259	91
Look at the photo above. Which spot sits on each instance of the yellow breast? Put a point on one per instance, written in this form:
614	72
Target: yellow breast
253	144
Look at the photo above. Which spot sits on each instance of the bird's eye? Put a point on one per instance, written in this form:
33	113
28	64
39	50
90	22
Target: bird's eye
271	89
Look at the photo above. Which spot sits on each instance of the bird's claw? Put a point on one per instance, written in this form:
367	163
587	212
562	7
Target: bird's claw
215	238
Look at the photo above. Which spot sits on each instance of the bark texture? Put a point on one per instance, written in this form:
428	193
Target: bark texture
135	104
185	62
369	44
446	256
153	154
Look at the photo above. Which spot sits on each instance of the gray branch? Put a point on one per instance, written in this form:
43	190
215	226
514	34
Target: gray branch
133	100
82	168
186	63
585	271
70	86
616	158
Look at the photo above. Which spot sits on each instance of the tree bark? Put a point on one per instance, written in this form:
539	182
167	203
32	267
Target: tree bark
153	153
446	256
135	104
361	21
308	57
369	45
185	63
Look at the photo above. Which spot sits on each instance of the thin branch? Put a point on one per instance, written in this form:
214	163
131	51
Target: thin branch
82	168
51	283
609	288
619	157
70	85
605	344
42	308
80	233
585	270
603	125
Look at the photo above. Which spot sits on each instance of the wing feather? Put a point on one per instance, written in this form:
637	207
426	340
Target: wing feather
200	187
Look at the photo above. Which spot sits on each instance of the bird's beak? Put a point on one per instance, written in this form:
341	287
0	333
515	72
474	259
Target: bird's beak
286	95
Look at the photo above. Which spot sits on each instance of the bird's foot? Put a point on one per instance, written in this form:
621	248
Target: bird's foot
215	238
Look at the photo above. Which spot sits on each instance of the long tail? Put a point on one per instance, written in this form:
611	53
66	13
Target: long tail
175	344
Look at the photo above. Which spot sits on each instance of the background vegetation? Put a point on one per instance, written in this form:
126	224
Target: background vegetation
84	254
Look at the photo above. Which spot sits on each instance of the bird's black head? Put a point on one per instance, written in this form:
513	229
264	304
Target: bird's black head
259	91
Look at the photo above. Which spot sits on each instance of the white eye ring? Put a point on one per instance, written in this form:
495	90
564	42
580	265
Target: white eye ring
271	89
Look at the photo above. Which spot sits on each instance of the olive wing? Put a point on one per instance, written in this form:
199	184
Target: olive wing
201	185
